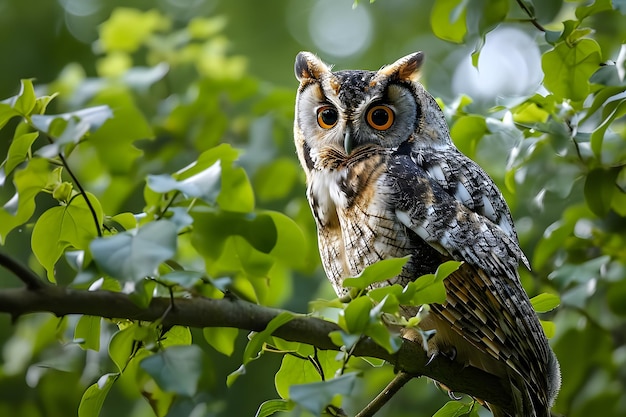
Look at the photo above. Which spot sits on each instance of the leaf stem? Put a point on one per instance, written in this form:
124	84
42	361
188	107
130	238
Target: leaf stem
532	19
94	215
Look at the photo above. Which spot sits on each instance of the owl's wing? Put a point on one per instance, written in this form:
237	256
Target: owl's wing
446	223
486	303
464	180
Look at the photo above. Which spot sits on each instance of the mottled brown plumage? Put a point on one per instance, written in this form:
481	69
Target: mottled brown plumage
384	180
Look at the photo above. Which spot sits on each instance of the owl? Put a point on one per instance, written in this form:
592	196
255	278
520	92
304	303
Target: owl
385	180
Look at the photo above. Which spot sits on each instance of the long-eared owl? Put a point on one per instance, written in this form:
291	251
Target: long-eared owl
385	180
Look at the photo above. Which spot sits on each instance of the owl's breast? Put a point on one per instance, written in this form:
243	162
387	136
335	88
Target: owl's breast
353	206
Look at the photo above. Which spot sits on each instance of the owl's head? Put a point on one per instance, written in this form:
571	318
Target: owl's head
344	111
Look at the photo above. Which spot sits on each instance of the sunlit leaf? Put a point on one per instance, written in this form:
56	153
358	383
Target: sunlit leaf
19	150
377	272
457	409
447	19
93	398
545	302
357	315
176	369
25	100
29	181
221	339
271	407
567	68
58	228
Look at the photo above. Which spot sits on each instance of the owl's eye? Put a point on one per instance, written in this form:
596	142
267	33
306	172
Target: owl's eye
327	117
380	117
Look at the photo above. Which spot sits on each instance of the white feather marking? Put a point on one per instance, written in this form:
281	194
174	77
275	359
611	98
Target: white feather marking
436	172
462	194
488	209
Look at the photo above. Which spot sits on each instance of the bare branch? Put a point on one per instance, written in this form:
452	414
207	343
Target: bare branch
205	312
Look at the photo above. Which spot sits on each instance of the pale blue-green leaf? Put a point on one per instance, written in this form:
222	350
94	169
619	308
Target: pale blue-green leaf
94	117
135	254
176	369
205	184
314	397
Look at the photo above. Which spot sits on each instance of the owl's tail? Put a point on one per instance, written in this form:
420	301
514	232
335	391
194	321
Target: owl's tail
527	402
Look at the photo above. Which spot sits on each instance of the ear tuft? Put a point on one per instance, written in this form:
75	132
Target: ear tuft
405	68
309	66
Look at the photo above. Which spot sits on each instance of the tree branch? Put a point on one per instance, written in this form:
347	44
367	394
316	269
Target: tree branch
203	312
28	277
385	395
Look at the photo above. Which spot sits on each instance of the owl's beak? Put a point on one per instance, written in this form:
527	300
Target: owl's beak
347	141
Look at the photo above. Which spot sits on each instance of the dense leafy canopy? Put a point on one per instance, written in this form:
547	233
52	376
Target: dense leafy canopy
160	164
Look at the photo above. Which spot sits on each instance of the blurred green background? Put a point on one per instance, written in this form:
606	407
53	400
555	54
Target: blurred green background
239	87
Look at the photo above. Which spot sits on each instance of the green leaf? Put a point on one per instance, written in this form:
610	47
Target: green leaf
447	19
455	409
545	302
221	339
176	369
271	407
25	100
29	181
19	151
467	131
93	398
549	328
314	397
6	113
114	140
61	227
121	346
357	315
596	7
377	272
215	237
567	68
612	111
294	370
445	269
137	253
599	189
87	332
256	342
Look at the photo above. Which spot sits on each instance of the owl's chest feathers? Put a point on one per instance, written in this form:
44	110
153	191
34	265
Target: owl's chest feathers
356	225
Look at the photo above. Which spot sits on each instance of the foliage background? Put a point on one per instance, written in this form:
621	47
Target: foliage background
232	82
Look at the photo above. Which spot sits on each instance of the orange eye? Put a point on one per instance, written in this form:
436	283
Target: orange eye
380	117
327	117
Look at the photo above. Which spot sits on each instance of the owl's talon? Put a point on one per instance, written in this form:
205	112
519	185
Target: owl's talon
453	396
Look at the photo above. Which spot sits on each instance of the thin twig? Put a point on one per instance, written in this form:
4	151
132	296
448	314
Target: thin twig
532	17
83	193
28	277
385	395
